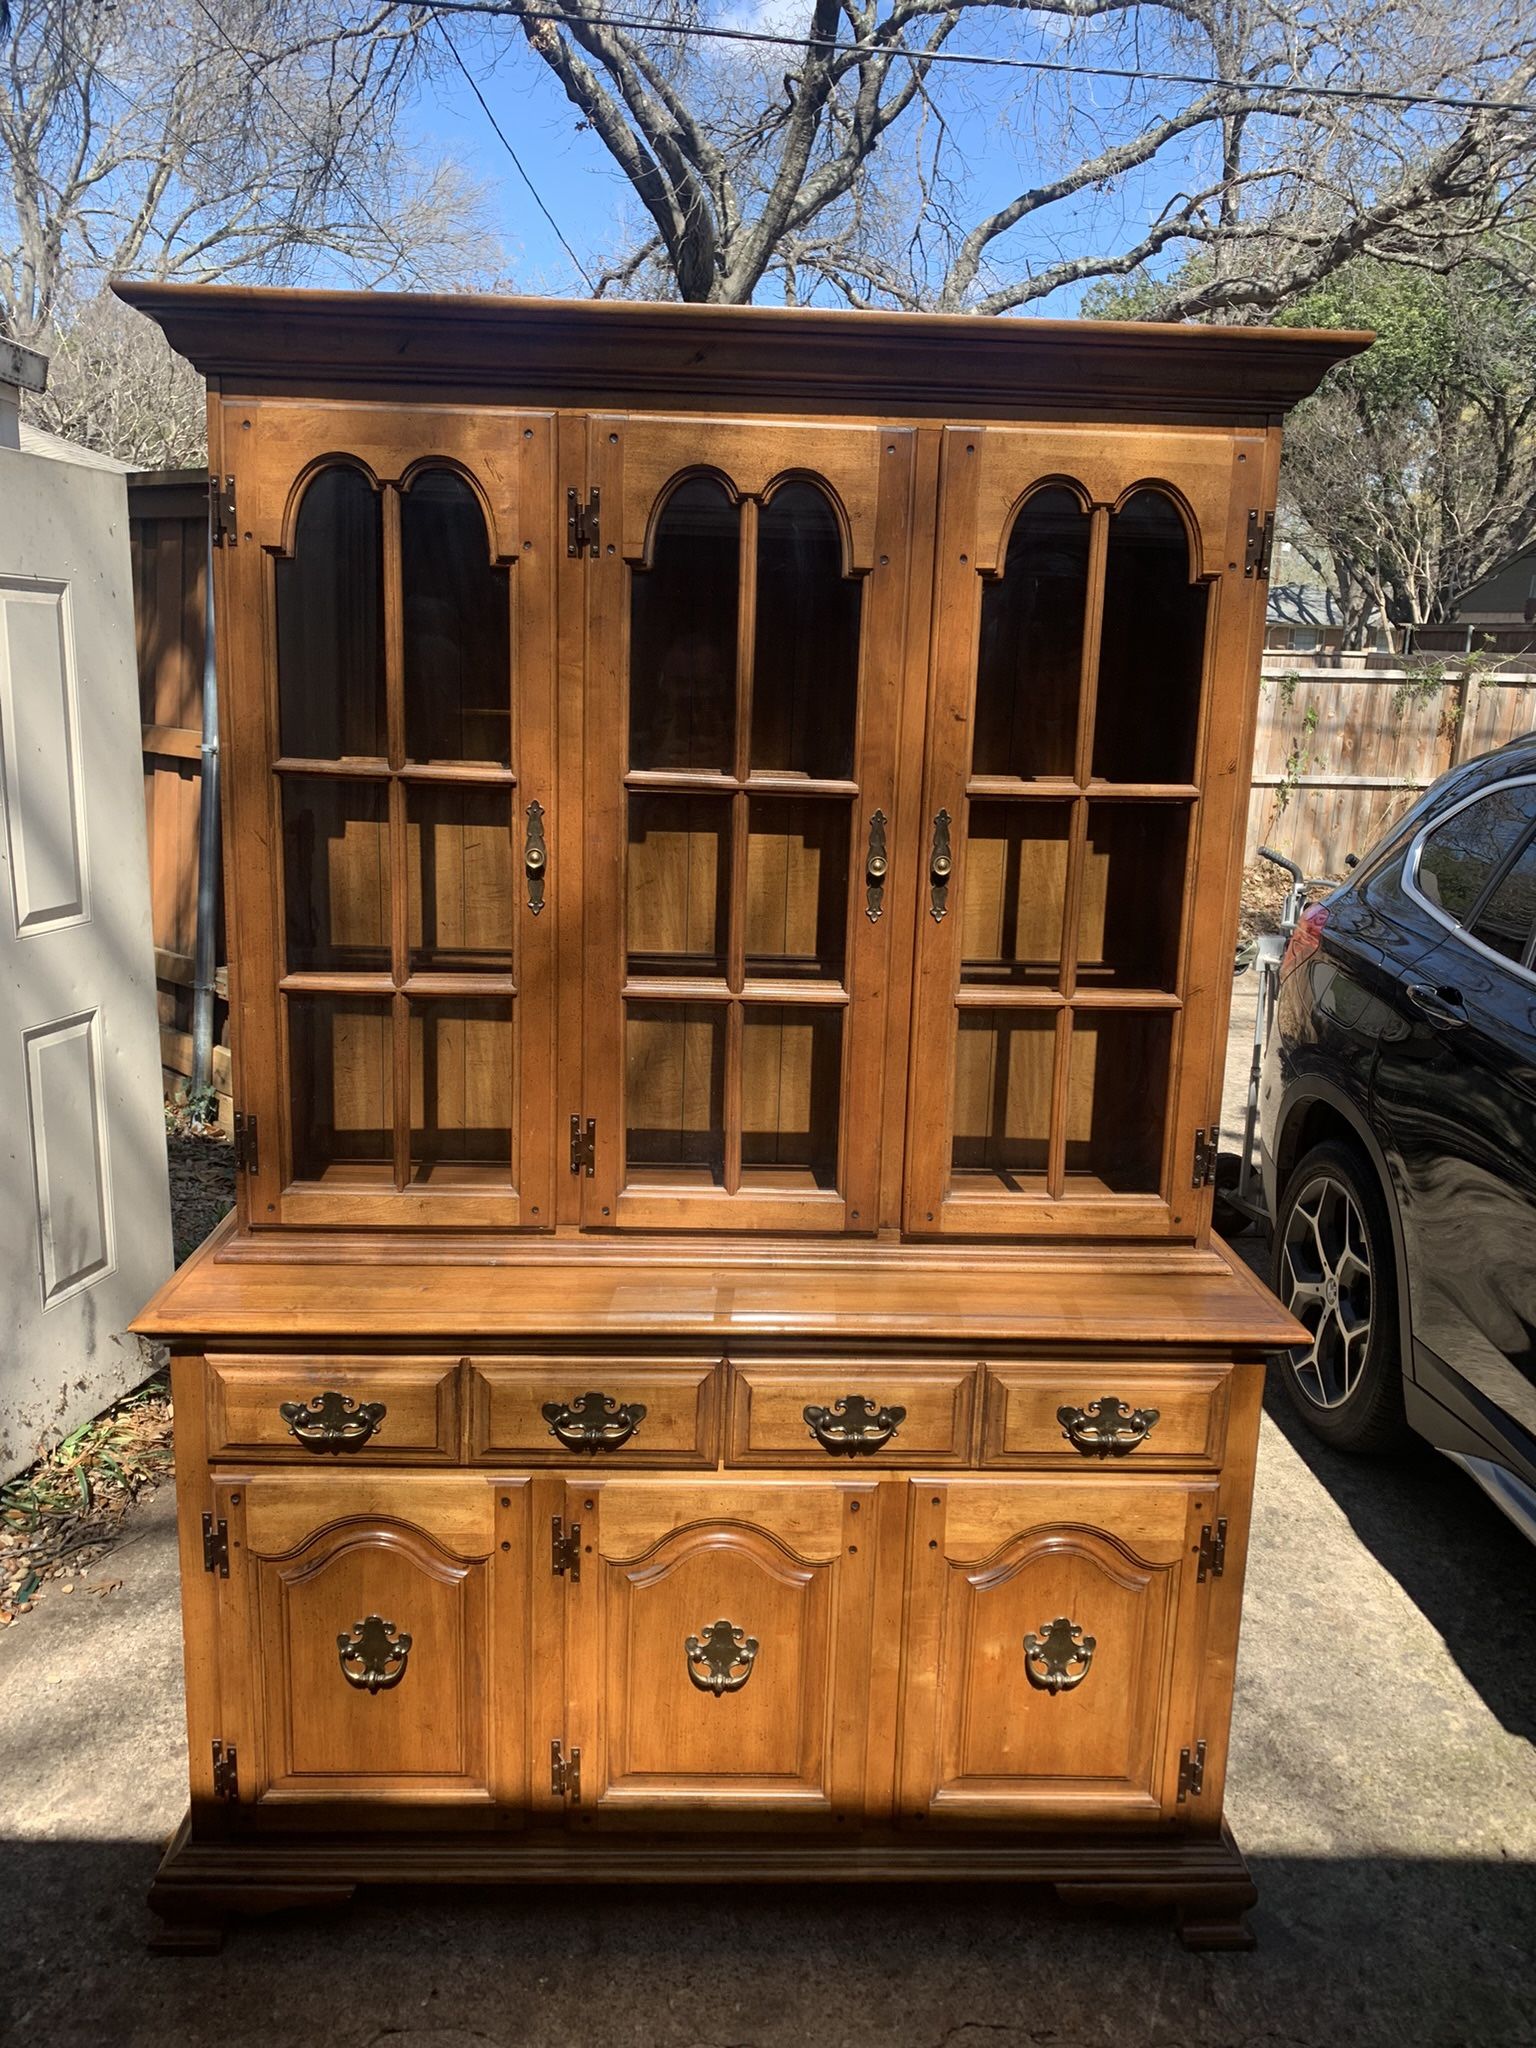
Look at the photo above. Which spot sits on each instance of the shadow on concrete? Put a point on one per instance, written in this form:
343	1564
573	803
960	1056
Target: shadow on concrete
1464	1566
1356	1952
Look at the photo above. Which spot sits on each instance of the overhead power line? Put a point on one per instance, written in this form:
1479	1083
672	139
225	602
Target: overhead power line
1060	67
501	137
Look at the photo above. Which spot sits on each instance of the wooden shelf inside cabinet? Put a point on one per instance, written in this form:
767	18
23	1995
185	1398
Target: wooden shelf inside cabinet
720	1364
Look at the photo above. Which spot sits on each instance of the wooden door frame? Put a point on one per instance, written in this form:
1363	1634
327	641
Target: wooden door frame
634	458
1215	477
272	449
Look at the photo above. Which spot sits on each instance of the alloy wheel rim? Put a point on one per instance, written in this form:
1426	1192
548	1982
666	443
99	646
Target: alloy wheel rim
1326	1281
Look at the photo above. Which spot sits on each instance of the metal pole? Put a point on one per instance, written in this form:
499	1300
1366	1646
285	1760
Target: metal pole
205	964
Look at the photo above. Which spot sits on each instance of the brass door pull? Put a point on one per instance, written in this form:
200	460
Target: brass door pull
536	858
940	867
593	1422
331	1421
714	1656
876	866
372	1656
1058	1659
853	1426
1106	1428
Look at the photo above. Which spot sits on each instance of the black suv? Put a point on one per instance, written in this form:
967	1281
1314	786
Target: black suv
1398	1120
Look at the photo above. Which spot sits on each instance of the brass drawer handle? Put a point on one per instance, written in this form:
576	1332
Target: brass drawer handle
1106	1428
331	1421
1049	1658
854	1427
940	868
372	1656
876	867
593	1422
536	858
718	1651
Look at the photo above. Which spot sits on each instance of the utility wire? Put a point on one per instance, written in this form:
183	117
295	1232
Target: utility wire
501	137
390	241
829	45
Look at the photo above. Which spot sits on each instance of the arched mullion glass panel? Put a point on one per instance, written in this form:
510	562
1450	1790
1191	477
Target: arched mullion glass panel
455	627
330	648
1152	651
805	668
1030	656
682	634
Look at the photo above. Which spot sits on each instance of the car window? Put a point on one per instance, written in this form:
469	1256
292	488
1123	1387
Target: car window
1458	857
1504	920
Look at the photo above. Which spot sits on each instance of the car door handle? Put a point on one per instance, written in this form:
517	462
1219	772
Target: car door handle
1444	1005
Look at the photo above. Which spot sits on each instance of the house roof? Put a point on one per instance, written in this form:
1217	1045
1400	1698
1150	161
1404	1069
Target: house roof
37	441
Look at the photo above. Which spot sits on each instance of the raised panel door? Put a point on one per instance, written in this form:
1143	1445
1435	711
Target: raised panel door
718	1650
746	614
1094	648
1052	1650
360	1625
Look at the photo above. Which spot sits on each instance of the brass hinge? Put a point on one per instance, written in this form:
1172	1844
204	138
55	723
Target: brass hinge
1203	1169
565	1774
582	522
226	1772
221	509
584	1146
247	1149
1261	544
565	1550
215	1546
1192	1772
1213	1551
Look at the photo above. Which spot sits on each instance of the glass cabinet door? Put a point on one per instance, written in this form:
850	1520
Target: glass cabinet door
395	1020
1085	600
743	695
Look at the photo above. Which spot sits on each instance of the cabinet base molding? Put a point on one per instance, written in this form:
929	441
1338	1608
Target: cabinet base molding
201	1886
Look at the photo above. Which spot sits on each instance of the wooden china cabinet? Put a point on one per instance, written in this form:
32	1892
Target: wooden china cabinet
720	1367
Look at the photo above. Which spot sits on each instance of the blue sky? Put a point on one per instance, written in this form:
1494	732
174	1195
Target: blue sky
589	198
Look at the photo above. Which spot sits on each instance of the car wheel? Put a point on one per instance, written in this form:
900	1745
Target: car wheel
1335	1272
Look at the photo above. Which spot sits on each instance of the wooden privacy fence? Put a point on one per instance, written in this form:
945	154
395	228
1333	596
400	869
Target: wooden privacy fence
168	548
1339	756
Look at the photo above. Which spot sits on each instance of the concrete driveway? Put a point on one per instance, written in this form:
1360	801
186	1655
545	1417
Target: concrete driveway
1383	1785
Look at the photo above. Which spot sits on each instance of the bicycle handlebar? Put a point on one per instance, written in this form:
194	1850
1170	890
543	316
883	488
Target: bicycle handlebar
1268	853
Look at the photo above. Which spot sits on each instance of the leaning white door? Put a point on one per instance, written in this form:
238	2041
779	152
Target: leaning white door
84	1209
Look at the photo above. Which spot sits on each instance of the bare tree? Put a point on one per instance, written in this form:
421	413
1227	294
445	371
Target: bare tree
255	139
751	160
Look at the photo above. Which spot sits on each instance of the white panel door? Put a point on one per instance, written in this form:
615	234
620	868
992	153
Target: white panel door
84	1207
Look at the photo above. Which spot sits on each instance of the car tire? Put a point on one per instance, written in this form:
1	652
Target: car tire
1335	1269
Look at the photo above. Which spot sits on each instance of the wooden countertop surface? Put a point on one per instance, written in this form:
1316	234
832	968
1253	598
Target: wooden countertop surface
524	1291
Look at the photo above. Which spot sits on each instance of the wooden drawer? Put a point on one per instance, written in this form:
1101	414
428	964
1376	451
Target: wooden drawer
556	1411
339	1408
1023	1424
854	1416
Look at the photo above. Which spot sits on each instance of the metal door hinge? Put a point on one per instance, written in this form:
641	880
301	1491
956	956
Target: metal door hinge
565	1550
1192	1772
215	1546
582	522
1261	544
1203	1169
1213	1551
221	510
226	1772
247	1149
565	1774
584	1146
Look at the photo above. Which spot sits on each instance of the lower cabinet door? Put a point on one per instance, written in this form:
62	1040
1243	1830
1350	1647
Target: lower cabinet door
1052	1649
356	1639
718	1651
